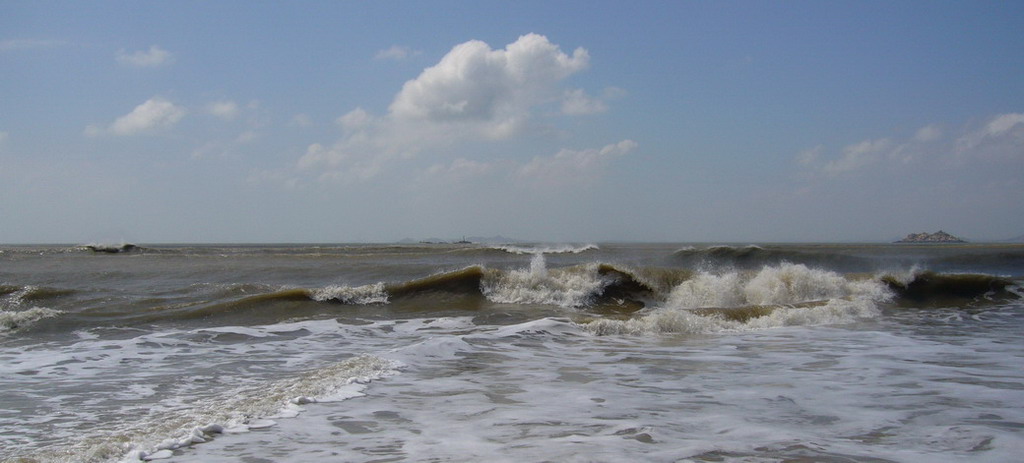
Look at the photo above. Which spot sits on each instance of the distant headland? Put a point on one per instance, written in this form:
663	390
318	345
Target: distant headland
937	237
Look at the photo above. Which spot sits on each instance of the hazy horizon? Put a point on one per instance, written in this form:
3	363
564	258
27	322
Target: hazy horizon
491	241
344	122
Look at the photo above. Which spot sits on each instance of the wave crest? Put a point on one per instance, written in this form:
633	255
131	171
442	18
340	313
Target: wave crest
920	288
772	285
13	320
358	295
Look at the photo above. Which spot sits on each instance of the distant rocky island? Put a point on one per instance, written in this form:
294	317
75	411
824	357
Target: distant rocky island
470	240
937	237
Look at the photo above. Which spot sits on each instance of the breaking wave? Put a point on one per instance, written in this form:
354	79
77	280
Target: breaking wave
13	320
651	299
929	289
788	294
12	300
16	295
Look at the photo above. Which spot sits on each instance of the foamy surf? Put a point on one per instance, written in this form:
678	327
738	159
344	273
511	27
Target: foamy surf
158	435
775	296
205	405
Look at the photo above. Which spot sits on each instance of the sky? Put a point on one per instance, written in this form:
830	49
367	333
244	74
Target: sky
346	121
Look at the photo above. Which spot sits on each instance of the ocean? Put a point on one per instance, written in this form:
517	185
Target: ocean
603	352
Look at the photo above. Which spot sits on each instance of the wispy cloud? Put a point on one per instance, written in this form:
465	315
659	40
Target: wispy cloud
577	102
152	115
573	167
396	53
243	126
301	120
225	109
1000	138
30	44
154	57
566	168
458	170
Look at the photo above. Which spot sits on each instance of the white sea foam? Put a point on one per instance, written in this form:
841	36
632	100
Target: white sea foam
241	411
362	295
534	392
175	388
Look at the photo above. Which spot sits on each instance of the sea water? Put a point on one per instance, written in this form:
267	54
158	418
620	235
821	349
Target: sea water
608	352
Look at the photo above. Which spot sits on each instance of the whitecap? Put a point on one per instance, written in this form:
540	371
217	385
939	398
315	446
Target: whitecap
360	295
13	320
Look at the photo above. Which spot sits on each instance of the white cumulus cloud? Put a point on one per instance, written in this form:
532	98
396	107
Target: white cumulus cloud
491	91
474	93
154	57
155	114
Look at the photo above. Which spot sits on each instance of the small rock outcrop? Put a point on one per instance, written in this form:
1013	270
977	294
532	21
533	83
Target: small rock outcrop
937	237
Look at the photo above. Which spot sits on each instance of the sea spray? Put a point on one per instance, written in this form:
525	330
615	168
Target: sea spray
571	287
538	267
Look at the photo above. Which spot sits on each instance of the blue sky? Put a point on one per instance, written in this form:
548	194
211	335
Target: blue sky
553	121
